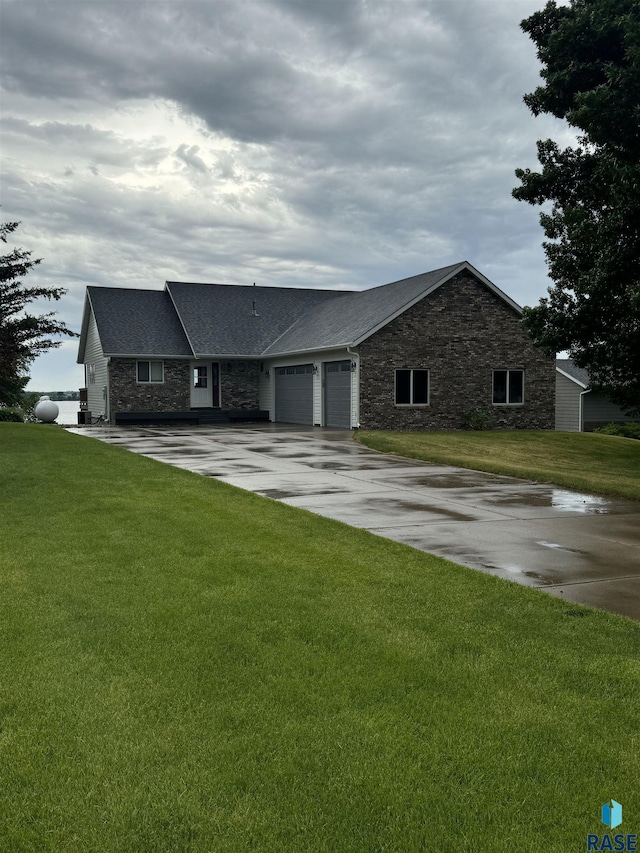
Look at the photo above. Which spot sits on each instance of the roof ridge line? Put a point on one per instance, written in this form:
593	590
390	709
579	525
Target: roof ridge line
258	287
417	275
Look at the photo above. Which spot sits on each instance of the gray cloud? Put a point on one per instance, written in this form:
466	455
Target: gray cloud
341	143
253	72
189	156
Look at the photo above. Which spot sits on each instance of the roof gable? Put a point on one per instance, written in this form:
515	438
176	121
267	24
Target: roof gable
350	319
567	368
136	322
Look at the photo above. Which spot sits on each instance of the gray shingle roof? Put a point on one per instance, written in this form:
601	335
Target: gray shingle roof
189	319
578	373
137	322
218	318
347	319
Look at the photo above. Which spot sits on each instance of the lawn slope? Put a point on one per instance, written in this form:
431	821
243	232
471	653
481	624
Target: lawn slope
188	667
601	464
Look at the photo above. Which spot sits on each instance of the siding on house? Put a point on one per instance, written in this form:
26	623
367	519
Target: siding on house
355	392
98	390
598	411
460	333
266	385
567	404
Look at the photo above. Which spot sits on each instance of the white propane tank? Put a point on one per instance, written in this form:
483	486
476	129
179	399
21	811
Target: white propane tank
46	410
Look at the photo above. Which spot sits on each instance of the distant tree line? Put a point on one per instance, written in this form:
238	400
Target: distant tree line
59	395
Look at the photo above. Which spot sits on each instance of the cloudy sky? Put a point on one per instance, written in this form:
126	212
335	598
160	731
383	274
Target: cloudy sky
302	143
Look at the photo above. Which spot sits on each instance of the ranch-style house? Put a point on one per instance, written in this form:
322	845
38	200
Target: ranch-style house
420	353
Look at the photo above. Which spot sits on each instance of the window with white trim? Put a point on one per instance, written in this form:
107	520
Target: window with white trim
412	387
150	371
91	374
508	387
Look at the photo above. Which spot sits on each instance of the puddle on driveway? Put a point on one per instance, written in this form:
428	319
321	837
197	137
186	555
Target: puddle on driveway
281	494
400	507
558	547
577	502
184	451
559	499
180	444
453	481
286	452
338	465
234	468
538	577
282	454
348	449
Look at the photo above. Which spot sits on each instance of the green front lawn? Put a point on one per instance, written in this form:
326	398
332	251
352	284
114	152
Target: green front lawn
185	666
601	464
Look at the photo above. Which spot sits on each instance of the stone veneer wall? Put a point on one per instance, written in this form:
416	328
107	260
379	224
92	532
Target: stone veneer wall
239	384
128	395
460	333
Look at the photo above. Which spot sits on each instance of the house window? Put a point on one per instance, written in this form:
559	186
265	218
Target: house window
412	387
150	371
91	374
508	387
200	377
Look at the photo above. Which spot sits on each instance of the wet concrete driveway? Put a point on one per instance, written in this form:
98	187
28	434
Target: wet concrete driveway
578	547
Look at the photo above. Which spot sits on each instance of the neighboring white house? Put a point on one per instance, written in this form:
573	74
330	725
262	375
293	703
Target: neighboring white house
578	407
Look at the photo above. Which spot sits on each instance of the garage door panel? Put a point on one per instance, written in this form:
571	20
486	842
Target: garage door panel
294	394
337	394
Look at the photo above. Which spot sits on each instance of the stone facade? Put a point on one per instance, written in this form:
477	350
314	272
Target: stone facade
239	384
128	395
460	333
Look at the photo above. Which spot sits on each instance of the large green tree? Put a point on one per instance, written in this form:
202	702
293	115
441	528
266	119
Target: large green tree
590	52
23	336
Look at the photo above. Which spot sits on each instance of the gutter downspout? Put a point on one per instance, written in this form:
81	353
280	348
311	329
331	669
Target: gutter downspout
356	359
107	404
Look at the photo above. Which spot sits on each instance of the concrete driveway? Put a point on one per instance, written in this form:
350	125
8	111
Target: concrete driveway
578	547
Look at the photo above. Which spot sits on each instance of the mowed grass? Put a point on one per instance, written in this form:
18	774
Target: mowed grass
601	464
188	667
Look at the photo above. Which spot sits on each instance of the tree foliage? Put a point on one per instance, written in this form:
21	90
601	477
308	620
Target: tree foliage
23	336
590	52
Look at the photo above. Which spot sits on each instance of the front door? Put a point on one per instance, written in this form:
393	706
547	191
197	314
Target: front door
205	388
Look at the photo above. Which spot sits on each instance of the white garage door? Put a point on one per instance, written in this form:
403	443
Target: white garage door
294	394
337	394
